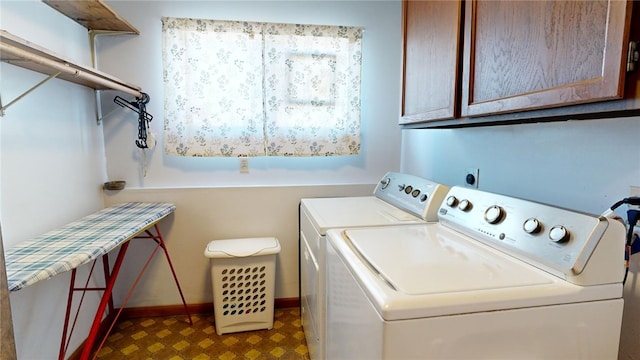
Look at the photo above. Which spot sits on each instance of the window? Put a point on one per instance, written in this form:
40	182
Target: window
237	88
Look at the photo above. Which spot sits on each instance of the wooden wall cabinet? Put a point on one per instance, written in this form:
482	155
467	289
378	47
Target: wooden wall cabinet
521	60
524	55
431	45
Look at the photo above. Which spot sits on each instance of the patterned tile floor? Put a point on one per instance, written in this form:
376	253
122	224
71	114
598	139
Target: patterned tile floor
172	338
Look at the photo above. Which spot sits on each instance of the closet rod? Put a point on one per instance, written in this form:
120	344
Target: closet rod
65	68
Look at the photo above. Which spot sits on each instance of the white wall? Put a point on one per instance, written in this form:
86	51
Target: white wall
582	165
138	60
52	166
206	214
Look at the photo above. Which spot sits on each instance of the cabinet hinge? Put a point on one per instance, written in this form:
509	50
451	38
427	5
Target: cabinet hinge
632	56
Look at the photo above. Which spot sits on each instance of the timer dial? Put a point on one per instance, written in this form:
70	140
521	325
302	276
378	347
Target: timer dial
494	214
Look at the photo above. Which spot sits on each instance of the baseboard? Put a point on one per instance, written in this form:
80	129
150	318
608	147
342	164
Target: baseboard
206	308
286	303
170	310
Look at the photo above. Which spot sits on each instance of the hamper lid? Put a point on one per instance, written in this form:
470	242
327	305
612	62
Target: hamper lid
242	247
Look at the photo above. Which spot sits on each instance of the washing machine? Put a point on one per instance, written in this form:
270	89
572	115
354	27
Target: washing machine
495	278
398	199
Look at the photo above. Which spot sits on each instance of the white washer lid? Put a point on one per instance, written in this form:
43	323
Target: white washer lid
358	211
231	248
418	271
434	260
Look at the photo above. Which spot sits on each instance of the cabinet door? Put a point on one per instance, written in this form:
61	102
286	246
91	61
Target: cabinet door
524	55
431	45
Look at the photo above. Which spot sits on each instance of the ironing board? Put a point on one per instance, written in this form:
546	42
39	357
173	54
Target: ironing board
81	242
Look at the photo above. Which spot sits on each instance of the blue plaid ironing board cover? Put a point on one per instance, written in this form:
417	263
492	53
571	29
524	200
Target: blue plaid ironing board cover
79	242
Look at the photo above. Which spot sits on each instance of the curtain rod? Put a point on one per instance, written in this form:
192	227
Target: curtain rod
66	68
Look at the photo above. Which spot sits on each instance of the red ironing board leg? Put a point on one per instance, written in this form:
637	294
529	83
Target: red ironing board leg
105	270
159	244
106	296
106	302
63	344
160	241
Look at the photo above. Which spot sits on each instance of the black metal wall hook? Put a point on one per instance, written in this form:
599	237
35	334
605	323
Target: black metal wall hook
135	105
139	106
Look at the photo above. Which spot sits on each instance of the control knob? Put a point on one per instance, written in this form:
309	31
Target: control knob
494	214
385	182
452	201
559	234
408	189
465	205
532	226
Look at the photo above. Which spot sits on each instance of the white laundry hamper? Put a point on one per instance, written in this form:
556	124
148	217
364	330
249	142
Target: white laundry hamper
243	282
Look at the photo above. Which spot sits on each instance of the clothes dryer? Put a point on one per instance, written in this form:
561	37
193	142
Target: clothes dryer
398	199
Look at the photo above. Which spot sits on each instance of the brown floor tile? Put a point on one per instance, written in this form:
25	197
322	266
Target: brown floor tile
172	338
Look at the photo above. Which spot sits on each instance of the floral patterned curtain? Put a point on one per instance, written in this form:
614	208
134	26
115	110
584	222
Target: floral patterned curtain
237	88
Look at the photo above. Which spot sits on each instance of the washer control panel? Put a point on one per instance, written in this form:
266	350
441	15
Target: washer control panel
557	238
416	195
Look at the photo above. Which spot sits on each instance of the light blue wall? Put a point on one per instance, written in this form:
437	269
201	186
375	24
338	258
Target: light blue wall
52	167
138	60
585	165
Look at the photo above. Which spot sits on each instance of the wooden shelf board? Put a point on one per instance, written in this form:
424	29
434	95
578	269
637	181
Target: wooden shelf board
92	14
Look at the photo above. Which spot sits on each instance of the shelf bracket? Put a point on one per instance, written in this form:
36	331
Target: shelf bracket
93	34
3	107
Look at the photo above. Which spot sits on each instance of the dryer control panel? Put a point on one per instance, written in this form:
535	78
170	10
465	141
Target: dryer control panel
418	196
561	241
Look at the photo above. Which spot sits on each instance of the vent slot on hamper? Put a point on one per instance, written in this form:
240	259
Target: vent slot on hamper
243	282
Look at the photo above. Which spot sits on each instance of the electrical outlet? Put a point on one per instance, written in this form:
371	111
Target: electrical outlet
472	177
244	165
